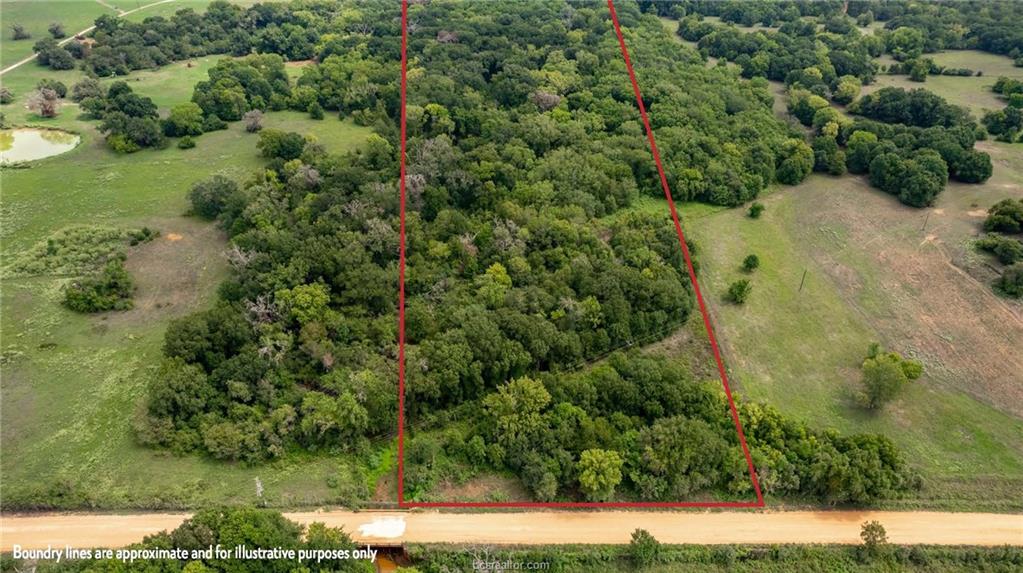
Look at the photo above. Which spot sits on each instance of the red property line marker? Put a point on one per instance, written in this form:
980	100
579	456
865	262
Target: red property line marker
692	275
685	254
401	262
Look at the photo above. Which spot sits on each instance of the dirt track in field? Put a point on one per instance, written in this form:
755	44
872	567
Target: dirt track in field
915	274
121	14
535	528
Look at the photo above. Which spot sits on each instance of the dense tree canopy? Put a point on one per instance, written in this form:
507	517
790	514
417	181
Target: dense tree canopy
833	60
910	28
919	108
525	260
288	29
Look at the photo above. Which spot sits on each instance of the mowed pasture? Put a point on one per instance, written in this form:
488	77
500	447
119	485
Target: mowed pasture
875	272
973	92
72	382
36	17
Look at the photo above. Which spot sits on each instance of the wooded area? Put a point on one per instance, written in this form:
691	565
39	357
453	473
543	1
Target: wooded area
534	269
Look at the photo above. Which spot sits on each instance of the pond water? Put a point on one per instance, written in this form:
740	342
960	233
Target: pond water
29	144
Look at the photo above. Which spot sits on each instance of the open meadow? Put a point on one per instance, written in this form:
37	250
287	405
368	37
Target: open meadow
36	17
972	92
72	382
874	272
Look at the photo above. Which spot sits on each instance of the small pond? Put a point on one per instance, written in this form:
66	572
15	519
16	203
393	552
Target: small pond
29	143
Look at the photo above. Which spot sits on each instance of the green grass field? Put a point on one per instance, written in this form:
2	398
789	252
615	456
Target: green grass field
36	17
72	382
801	351
973	93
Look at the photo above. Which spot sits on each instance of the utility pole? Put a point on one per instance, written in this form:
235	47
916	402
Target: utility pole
802	280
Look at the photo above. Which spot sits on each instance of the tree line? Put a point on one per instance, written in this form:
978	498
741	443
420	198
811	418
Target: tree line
119	46
818	64
640	427
910	142
991	26
1006	124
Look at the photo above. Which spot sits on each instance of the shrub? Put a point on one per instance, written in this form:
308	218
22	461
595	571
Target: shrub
644	550
57	86
750	263
253	120
476	451
739	291
918	70
875	539
756	209
1007	250
87	88
111	289
1005	216
277	144
6	96
143	235
58	59
121	144
184	119
316	111
186	142
20	33
56	30
1011	281
44	102
73	251
211	196
213	123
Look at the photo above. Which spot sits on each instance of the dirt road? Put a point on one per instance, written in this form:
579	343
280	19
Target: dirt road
395	527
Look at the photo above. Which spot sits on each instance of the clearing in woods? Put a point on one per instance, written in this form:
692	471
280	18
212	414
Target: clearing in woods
972	92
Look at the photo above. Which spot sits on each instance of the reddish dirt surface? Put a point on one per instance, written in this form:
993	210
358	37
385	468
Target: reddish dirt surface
483	488
387	487
536	528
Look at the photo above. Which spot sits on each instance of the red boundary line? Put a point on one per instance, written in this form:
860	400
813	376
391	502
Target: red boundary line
401	262
692	276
